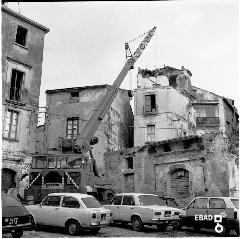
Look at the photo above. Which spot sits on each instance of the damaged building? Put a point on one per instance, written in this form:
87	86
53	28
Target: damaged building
67	114
22	56
168	106
185	140
182	168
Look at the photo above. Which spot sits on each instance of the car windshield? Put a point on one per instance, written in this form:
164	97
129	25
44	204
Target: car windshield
146	200
91	202
235	202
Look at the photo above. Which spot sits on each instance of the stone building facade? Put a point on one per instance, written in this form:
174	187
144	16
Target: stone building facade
22	56
70	108
182	168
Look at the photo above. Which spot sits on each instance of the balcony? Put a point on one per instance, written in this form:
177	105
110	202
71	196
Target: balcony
207	122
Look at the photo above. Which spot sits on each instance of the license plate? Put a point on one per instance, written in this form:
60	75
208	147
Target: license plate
12	220
167	214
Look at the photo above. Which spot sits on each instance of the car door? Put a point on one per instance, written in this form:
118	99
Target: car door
70	208
127	208
217	206
47	211
114	207
196	211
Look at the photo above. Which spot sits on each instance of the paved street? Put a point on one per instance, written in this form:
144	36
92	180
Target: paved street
120	231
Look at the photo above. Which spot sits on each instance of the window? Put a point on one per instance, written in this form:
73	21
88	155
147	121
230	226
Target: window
146	200
235	202
117	200
72	127
150	104
150	133
91	202
217	203
53	201
10	131
128	200
199	203
129	162
21	36
70	202
16	85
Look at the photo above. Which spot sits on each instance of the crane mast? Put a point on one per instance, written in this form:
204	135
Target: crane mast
82	144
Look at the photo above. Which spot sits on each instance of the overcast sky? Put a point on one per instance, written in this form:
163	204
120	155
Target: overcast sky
85	45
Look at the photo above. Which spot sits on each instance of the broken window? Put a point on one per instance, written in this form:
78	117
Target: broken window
72	127
10	131
150	133
74	97
21	36
16	85
150	103
129	163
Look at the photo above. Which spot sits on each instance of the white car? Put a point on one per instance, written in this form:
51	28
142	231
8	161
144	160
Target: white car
142	209
74	211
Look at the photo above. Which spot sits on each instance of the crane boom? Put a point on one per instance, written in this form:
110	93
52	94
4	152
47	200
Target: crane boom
82	144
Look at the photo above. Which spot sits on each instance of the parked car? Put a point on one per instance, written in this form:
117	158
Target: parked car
15	217
74	211
201	213
142	209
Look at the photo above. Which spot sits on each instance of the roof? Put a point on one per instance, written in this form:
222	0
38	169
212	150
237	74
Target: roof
77	89
77	195
190	137
25	19
135	194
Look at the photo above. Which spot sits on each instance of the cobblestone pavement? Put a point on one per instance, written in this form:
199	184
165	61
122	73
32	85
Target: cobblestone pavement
120	231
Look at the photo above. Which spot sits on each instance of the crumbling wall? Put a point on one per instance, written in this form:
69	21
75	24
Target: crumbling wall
210	168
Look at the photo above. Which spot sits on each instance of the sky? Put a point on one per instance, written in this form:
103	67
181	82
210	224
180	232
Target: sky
85	45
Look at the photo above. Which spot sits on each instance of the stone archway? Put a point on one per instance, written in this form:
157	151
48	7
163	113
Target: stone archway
8	179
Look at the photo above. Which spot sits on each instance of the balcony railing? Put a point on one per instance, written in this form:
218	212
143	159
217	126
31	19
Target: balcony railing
207	121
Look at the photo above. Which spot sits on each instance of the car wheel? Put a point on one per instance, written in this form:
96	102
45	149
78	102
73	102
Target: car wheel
73	228
17	233
226	231
95	230
162	227
137	224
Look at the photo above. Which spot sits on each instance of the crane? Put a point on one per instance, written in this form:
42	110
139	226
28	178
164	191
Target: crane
83	140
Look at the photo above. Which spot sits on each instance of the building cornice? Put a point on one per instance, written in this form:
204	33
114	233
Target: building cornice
25	19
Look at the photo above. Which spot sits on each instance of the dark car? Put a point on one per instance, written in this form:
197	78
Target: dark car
219	213
15	217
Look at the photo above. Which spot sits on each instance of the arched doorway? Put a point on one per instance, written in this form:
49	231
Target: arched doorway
8	179
180	185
